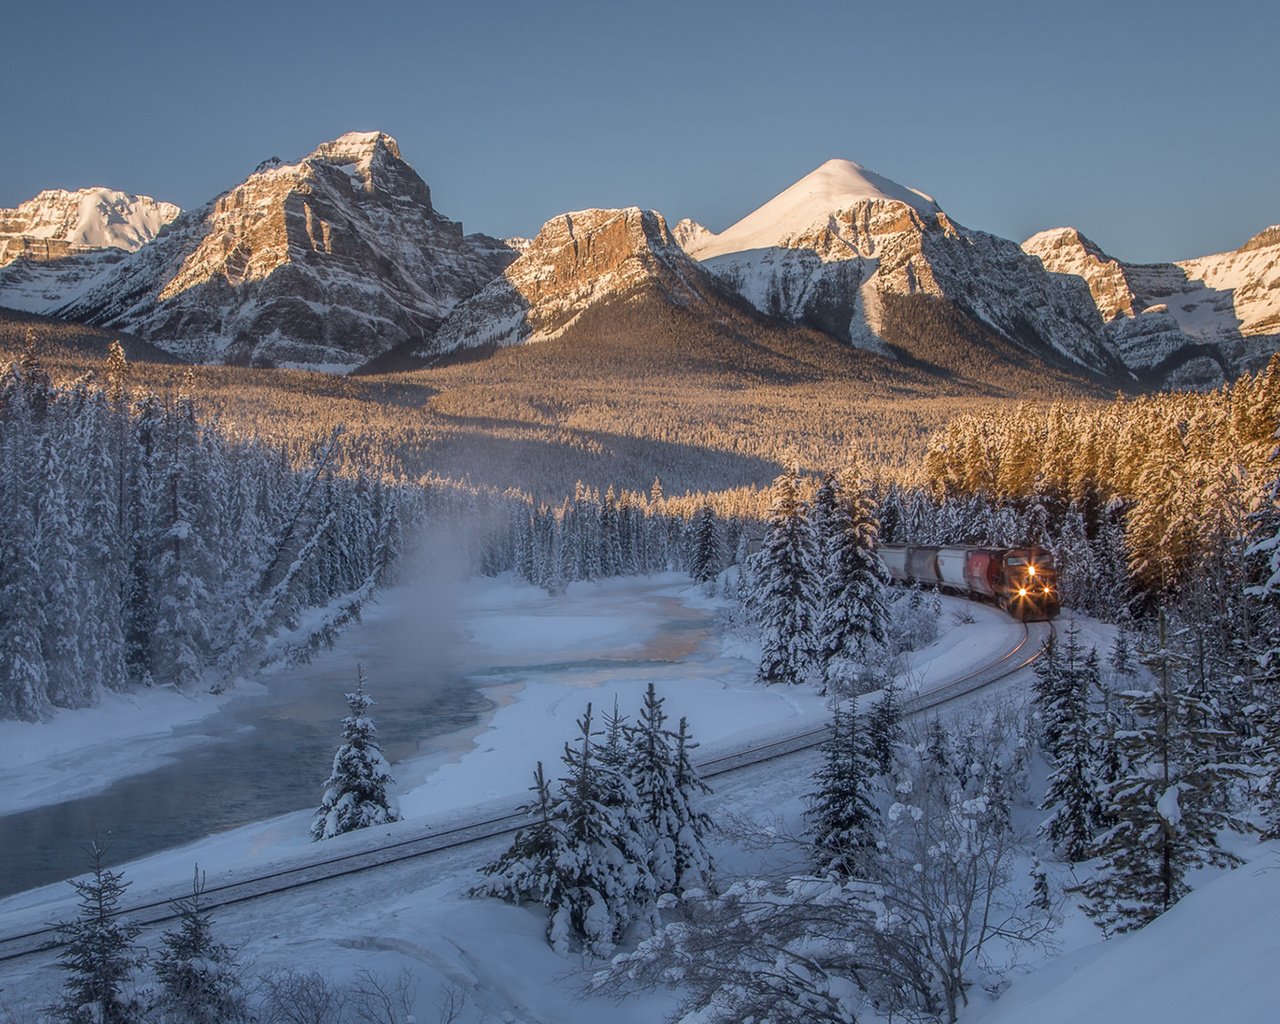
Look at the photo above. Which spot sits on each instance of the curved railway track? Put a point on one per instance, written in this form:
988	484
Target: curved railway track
1023	653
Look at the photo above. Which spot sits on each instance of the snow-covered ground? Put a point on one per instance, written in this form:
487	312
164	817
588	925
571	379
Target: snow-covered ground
540	658
546	657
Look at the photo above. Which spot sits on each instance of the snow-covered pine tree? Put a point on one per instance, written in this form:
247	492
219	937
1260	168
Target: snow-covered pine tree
705	558
199	978
884	729
99	957
842	816
599	883
1120	657
618	792
694	866
786	602
1262	558
1166	806
853	622
610	543
356	792
1072	788
533	868
668	790
1048	691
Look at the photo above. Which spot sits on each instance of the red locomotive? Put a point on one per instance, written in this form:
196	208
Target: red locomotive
1022	581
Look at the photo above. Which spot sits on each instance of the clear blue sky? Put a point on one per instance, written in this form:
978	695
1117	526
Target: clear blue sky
1153	127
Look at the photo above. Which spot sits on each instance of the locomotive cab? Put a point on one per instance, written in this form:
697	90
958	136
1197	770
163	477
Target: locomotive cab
1029	590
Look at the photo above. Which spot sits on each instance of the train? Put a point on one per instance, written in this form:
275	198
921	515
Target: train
1022	581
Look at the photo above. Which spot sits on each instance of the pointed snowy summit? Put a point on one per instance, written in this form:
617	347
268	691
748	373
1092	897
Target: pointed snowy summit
809	203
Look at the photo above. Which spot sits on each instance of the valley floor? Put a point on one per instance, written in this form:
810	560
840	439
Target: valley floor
543	657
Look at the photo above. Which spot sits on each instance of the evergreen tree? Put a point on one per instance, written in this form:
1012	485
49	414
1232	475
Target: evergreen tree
99	957
693	865
356	792
668	789
1120	657
704	555
1166	806
198	977
579	859
530	871
843	821
884	729
786	601
1051	685
1072	788
854	619
600	881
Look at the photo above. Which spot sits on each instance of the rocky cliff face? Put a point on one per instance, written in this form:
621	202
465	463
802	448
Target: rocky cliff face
1197	322
827	251
326	262
576	261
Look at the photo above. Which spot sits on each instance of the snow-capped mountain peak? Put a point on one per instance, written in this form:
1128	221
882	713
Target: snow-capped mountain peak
356	147
809	204
89	218
329	261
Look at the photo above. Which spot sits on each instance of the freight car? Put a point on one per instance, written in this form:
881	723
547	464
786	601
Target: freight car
1022	581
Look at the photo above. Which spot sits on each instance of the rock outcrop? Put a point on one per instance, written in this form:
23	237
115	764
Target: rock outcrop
323	263
1191	323
576	261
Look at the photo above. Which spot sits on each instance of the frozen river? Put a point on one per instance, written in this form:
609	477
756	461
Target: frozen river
266	753
429	663
257	756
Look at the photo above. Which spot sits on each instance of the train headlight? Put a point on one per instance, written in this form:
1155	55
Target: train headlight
1031	570
1048	590
1022	591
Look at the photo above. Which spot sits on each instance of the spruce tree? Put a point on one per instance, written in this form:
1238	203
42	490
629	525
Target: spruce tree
843	821
694	866
668	791
99	957
1166	806
198	977
1120	657
531	870
1047	693
1072	788
884	729
356	792
854	619
600	881
786	602
704	551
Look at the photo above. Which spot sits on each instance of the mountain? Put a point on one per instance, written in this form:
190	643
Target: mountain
57	223
849	252
325	263
576	261
1196	322
97	225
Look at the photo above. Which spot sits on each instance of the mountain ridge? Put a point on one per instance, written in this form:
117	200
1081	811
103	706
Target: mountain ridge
339	260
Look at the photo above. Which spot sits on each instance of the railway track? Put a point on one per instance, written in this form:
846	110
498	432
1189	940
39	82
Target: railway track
158	911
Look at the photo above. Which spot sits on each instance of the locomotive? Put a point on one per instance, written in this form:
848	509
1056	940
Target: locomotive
1022	581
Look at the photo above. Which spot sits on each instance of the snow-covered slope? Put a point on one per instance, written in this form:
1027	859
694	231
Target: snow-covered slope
58	223
1209	960
576	261
807	206
55	247
326	262
1193	322
830	249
